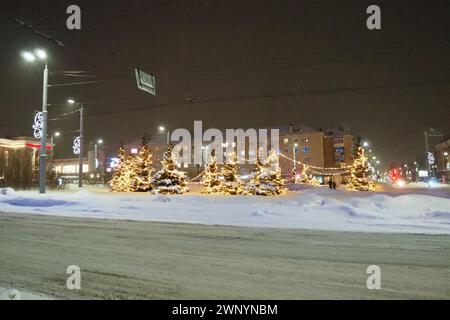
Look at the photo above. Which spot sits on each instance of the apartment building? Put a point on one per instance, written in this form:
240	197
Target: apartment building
323	148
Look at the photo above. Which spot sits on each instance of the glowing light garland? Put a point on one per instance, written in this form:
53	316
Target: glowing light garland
77	146
38	123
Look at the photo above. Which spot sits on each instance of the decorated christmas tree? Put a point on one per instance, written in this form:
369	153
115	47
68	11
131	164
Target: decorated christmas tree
124	176
231	184
266	178
142	164
211	178
308	178
360	174
169	180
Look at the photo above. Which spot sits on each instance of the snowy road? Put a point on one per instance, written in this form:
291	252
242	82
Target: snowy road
145	260
317	208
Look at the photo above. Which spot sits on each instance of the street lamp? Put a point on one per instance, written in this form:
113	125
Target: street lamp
96	164
294	151
80	166
41	55
55	134
163	129
205	148
365	144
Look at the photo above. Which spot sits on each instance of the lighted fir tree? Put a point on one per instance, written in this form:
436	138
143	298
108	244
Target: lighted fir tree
305	178
211	178
142	164
169	180
360	173
308	178
124	175
266	178
231	183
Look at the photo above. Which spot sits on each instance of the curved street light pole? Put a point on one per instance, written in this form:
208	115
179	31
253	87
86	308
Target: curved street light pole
43	156
80	169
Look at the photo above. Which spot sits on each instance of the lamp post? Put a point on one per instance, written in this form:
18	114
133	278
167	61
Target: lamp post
99	142
54	135
163	129
294	151
41	55
445	163
80	165
205	148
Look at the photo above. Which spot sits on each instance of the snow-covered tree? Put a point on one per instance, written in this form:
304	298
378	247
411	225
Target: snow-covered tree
308	178
124	176
142	164
231	183
169	180
266	178
360	174
211	178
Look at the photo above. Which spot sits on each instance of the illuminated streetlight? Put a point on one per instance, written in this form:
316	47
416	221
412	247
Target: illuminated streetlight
365	144
28	56
72	101
41	55
57	134
163	129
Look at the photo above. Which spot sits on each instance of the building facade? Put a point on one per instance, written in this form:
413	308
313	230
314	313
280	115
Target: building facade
19	162
320	148
442	152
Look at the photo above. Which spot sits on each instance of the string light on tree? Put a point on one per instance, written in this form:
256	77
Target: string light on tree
266	178
142	164
231	183
124	177
169	180
211	178
360	174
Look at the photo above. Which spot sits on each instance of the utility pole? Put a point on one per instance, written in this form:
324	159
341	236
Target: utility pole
43	156
427	149
80	169
294	151
426	154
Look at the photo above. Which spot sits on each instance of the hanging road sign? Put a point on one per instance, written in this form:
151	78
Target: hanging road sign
145	82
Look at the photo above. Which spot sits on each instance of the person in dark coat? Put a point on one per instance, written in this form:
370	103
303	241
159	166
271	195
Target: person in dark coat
330	183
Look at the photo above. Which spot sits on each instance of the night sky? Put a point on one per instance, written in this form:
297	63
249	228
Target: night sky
249	63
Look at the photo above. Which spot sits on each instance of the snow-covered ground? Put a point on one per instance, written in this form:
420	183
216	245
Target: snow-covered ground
14	294
317	208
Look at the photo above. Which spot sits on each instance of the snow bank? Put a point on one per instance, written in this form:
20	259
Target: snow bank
317	208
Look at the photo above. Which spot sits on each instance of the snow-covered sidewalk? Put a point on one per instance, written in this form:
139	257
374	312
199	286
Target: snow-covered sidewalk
317	208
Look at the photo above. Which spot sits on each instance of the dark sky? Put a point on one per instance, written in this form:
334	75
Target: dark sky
249	63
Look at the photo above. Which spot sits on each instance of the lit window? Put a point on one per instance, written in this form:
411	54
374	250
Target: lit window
286	140
134	151
305	149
